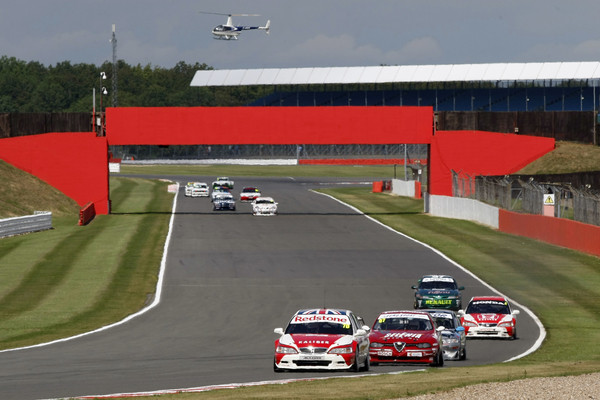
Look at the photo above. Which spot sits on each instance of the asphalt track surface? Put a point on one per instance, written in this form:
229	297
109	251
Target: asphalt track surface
230	279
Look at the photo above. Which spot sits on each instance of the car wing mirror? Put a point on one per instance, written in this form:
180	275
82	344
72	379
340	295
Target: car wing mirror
278	331
361	332
460	329
440	328
413	287
366	328
516	312
461	288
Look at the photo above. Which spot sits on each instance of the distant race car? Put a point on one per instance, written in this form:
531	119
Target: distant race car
454	339
223	181
218	191
327	339
249	193
199	189
406	337
438	291
188	188
490	316
224	201
264	206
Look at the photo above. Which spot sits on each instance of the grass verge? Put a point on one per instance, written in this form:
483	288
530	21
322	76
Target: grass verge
73	279
561	286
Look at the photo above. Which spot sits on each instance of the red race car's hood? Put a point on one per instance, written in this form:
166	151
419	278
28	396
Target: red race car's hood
405	336
306	340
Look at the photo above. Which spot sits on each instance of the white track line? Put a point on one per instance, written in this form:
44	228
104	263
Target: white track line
542	335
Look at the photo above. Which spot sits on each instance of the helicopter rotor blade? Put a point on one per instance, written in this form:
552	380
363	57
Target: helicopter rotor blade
214	13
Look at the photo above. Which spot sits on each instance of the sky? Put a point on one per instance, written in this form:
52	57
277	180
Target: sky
304	33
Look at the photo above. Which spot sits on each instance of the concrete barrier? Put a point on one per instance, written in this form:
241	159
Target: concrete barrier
404	188
40	221
467	209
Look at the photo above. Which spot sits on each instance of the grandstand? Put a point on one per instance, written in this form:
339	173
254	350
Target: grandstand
499	87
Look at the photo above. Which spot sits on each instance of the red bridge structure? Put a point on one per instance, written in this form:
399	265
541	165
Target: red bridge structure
77	162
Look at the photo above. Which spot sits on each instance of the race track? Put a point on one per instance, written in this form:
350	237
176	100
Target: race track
230	279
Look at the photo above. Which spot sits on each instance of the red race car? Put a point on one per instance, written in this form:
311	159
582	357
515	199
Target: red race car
406	337
490	316
326	339
249	193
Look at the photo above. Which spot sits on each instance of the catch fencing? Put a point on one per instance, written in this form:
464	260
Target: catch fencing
526	195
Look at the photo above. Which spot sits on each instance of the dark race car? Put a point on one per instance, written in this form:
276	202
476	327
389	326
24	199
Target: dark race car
454	340
224	201
406	337
438	291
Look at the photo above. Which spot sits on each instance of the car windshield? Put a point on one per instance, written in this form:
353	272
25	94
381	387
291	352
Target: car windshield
488	307
319	328
402	324
264	201
447	323
447	285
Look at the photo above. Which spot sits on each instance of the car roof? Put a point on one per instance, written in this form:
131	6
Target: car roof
419	312
265	198
434	276
323	311
494	298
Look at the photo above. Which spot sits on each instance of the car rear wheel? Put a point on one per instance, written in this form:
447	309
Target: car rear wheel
463	355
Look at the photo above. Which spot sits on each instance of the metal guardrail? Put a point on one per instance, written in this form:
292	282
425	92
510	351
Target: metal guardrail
41	220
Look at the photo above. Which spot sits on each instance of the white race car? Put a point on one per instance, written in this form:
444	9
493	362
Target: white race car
219	190
326	339
223	181
264	206
199	189
188	188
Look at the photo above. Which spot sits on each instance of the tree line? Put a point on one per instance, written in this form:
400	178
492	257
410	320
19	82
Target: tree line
31	87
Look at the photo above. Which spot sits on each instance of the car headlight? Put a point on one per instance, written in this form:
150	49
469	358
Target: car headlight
285	350
451	341
507	324
469	323
423	345
376	345
341	350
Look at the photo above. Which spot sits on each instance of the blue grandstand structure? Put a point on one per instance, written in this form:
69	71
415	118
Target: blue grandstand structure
494	99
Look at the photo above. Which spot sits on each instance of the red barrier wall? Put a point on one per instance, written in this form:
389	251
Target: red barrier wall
480	153
268	125
74	163
558	231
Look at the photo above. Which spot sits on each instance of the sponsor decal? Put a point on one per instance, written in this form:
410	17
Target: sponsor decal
402	335
437	278
441	315
313	342
338	319
496	302
383	317
438	301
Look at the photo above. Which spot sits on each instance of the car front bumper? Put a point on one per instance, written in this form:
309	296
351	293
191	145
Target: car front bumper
489	332
313	362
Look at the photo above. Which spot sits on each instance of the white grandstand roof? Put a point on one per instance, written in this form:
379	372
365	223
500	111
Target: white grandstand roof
549	71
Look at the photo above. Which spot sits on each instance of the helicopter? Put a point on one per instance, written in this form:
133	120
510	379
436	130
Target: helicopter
228	31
